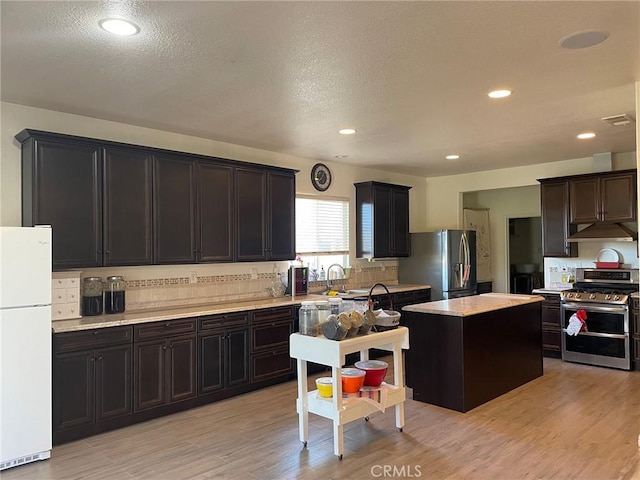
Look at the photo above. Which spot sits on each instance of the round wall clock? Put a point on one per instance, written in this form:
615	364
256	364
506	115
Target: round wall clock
320	177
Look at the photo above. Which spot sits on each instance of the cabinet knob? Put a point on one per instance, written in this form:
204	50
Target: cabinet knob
108	252
164	347
93	359
166	325
100	252
171	346
100	357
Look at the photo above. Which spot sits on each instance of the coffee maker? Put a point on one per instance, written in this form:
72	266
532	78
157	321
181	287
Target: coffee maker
301	279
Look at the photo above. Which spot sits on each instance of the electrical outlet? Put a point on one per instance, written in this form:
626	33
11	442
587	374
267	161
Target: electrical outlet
193	277
254	274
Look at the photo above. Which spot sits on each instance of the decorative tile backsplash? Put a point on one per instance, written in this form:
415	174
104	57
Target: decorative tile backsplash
150	293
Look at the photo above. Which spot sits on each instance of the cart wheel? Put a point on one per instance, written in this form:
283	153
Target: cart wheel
304	444
401	429
366	419
340	457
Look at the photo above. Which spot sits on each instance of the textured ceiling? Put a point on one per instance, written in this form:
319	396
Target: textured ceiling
411	77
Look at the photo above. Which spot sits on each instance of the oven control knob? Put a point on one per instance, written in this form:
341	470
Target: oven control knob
607	297
592	296
578	295
616	297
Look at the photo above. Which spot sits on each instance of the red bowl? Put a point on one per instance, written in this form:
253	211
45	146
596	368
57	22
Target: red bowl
375	370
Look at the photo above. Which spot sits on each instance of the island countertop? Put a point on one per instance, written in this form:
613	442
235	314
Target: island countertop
472	305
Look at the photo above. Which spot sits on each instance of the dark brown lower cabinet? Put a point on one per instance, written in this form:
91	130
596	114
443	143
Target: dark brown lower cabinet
165	371
270	330
224	352
551	327
91	386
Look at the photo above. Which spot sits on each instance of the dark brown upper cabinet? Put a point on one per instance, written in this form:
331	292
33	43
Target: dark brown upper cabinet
382	220
62	187
215	212
174	209
554	208
265	215
603	197
127	222
117	204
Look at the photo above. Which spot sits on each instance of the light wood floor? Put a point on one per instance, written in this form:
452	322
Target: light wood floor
576	421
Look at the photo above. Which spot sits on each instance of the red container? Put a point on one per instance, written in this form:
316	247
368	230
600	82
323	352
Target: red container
607	265
375	370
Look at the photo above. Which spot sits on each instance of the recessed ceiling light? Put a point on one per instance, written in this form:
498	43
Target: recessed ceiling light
585	39
117	26
584	135
499	93
341	156
347	131
452	157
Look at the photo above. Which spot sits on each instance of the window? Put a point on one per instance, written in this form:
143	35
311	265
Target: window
322	232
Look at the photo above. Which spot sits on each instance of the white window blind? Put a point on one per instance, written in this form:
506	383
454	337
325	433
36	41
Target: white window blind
322	226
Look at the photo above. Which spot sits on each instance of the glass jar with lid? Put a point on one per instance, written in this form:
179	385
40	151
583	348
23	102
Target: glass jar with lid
92	296
309	318
114	295
323	311
335	305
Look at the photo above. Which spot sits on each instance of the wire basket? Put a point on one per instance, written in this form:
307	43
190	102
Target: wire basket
386	320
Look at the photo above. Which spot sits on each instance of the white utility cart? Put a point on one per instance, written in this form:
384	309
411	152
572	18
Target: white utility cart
332	353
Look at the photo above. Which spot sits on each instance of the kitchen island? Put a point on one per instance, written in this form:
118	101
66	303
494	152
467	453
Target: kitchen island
467	351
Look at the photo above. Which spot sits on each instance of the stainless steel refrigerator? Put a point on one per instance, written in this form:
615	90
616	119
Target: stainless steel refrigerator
444	259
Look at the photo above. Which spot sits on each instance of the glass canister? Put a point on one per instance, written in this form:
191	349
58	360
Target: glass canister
92	296
323	311
114	295
335	306
309	318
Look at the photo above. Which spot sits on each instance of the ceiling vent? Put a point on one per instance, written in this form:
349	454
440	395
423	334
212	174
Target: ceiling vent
621	120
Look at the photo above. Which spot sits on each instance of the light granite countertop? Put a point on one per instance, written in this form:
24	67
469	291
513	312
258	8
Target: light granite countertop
466	306
548	290
187	311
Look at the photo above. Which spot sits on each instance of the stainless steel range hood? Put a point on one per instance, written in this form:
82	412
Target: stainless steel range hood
598	232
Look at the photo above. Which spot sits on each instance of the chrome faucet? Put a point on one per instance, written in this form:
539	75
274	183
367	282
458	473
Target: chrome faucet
343	278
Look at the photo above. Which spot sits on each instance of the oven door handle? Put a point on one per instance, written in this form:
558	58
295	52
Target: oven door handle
595	308
606	335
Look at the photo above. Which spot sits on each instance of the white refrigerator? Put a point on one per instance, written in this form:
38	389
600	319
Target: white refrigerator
25	345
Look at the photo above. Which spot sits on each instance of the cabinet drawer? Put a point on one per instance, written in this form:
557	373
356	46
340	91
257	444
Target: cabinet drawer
271	365
551	300
270	335
636	303
551	339
227	320
58	296
163	329
271	314
65	310
402	298
421	296
98	337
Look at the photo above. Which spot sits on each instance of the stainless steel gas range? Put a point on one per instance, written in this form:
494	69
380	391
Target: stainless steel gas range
604	294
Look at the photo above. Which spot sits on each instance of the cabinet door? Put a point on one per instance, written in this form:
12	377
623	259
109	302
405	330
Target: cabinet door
237	357
73	389
215	213
211	362
554	198
251	208
401	237
382	222
149	374
618	198
585	202
181	368
113	382
127	207
282	216
62	188
174	210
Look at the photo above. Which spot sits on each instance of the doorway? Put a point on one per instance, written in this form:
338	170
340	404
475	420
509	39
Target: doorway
526	262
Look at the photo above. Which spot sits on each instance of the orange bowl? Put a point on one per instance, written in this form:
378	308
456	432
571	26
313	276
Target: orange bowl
352	380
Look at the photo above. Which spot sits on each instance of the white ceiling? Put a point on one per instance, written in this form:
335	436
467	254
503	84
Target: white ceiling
411	77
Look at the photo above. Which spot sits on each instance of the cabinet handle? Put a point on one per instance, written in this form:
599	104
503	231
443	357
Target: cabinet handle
108	252
166	325
164	347
171	346
100	358
93	359
95	332
100	252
